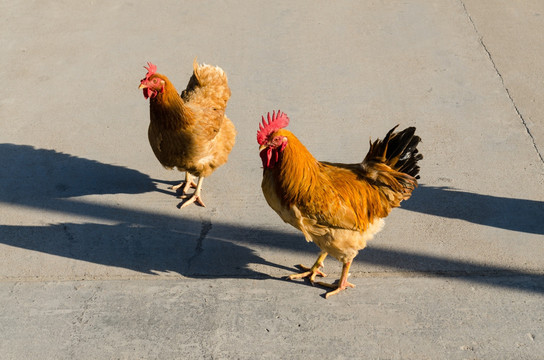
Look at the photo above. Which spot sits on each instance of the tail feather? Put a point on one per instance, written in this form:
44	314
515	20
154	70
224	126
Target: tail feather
207	86
398	151
393	161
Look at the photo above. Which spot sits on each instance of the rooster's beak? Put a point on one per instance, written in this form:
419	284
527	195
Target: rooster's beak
142	86
262	147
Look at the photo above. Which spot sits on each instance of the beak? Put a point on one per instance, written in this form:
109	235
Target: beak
142	86
262	147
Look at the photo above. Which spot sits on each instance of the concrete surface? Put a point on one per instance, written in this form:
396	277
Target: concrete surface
512	35
97	261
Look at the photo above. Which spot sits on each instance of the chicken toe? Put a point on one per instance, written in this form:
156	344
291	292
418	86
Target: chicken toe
192	199
342	283
185	185
312	272
196	197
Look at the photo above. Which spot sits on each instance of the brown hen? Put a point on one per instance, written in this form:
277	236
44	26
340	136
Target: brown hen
190	131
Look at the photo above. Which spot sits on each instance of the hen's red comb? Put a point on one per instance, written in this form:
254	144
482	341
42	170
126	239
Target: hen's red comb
278	121
151	69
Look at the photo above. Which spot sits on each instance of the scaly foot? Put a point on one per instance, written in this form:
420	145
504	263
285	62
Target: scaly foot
312	272
337	287
192	199
195	197
342	283
184	185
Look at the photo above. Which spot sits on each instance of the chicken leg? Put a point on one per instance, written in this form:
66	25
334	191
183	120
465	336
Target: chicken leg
185	185
196	196
342	283
312	272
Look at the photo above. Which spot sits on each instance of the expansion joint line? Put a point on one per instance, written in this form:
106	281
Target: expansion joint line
520	116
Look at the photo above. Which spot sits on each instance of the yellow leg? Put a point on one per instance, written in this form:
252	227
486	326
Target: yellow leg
342	283
185	185
312	272
196	196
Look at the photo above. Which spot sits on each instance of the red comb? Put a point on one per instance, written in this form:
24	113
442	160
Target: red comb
278	121
151	69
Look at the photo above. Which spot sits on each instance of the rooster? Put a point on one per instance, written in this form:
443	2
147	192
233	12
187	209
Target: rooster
337	206
190	131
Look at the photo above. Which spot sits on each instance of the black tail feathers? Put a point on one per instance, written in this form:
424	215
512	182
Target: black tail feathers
397	150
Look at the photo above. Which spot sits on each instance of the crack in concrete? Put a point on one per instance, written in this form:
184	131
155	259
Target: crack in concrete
205	227
520	115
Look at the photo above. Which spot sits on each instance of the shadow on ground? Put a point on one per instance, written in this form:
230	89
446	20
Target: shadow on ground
505	213
149	243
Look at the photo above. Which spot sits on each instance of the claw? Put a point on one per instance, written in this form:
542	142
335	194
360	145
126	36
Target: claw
183	185
337	290
342	283
311	272
193	199
186	184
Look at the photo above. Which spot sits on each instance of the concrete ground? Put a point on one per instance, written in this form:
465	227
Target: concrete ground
97	262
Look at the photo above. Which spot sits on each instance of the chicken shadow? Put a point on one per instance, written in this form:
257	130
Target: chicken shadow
152	243
141	241
506	213
28	174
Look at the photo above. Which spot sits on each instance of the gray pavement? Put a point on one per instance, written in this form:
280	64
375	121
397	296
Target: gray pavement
98	262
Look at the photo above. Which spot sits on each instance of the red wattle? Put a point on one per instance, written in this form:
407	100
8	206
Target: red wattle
268	158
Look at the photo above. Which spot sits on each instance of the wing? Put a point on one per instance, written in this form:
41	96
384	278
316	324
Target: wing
208	121
343	199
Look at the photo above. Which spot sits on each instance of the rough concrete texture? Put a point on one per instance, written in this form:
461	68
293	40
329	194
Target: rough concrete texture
98	262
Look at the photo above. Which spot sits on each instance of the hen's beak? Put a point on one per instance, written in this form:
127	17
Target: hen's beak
142	86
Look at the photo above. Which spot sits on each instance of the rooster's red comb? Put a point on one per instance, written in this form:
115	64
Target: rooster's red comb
151	69
278	121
